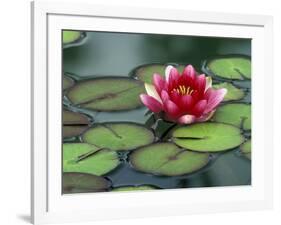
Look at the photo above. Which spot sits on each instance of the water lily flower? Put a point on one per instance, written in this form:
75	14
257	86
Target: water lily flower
182	98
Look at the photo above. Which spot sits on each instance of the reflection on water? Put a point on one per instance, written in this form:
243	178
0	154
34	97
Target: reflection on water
117	53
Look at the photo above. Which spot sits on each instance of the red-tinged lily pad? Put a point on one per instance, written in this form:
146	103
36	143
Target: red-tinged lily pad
67	82
145	72
73	131
107	94
237	114
83	182
73	118
118	136
74	123
207	137
86	158
167	159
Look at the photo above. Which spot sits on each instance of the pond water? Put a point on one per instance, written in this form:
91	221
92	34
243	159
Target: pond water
105	54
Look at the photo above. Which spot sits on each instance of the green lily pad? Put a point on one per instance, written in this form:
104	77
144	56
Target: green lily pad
145	73
237	114
208	137
83	182
107	94
246	149
74	124
70	36
167	159
86	158
235	68
118	136
233	93
67	82
134	188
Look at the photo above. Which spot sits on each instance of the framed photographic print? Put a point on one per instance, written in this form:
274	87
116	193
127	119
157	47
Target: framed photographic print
142	112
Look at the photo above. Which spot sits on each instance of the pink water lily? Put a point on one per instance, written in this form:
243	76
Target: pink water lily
182	98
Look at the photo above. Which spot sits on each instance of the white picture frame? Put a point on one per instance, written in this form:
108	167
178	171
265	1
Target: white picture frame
49	205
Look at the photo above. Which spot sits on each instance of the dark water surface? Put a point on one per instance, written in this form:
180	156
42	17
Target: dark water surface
117	54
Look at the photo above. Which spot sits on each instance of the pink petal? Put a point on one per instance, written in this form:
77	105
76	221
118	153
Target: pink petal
206	117
164	96
199	108
214	98
201	83
186	119
208	83
171	109
175	97
195	95
151	103
151	91
159	83
186	102
167	72
209	93
173	78
189	71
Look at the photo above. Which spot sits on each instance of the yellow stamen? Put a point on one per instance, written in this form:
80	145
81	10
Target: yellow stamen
183	90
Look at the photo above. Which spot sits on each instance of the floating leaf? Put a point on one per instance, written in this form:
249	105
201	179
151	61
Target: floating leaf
70	36
107	94
134	188
237	68
83	182
246	149
145	72
70	118
74	123
167	159
207	137
237	114
73	131
67	82
118	136
86	158
233	93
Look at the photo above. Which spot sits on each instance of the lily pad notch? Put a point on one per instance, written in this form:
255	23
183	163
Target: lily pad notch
86	158
233	67
207	137
107	94
167	159
237	114
118	136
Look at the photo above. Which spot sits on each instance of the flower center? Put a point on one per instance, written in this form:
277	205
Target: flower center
183	90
